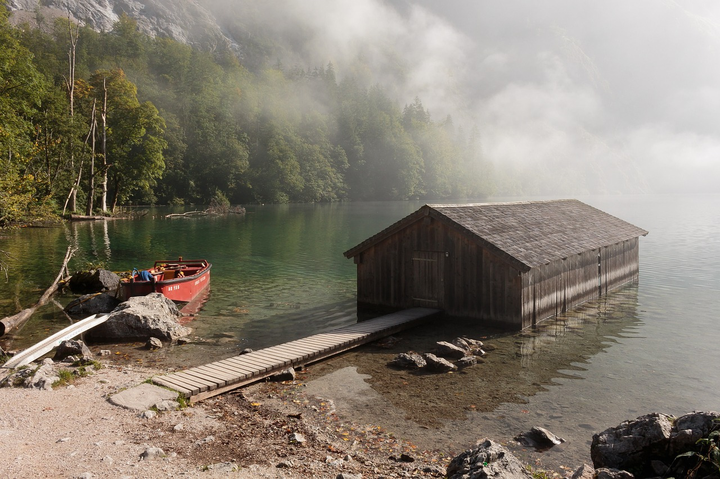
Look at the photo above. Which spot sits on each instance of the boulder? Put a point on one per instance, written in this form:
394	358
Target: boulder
409	360
284	375
471	346
539	438
73	347
96	303
487	459
94	281
448	350
140	318
632	444
43	378
474	343
438	365
461	343
689	428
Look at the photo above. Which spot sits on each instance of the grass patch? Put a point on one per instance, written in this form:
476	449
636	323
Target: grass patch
540	473
84	363
66	378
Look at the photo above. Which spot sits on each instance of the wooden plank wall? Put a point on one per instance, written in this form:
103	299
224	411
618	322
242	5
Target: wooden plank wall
476	283
564	284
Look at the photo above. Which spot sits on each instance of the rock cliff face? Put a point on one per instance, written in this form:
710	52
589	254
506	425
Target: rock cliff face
183	20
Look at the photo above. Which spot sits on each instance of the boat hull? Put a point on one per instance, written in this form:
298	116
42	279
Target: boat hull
179	281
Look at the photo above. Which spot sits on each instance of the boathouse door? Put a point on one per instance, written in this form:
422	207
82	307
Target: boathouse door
427	283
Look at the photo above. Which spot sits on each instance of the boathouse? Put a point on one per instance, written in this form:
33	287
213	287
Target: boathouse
506	264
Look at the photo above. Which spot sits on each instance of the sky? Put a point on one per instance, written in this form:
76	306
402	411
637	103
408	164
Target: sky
583	96
633	85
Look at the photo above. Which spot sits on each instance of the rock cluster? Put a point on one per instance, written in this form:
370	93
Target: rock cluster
654	445
464	351
650	445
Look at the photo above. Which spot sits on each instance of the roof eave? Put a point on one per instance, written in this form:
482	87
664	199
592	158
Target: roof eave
389	231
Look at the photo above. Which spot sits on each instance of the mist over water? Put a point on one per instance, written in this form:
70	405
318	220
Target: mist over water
573	97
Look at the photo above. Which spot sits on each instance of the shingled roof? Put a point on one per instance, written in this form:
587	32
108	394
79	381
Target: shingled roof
530	233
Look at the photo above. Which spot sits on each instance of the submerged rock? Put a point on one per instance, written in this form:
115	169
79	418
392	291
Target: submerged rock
448	350
438	365
140	318
466	362
539	438
409	360
92	304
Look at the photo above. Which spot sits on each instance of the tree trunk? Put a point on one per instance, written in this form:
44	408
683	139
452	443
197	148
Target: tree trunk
103	115
71	202
91	181
16	320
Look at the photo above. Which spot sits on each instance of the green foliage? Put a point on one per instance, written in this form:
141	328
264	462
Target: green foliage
186	125
540	473
703	460
182	402
66	377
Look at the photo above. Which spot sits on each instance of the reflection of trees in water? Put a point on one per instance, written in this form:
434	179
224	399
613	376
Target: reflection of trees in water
521	365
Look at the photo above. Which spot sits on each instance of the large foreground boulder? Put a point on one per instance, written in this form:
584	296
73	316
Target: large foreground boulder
632	444
487	459
96	303
140	318
94	281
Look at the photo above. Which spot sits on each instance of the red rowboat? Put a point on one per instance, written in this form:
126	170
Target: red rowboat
179	280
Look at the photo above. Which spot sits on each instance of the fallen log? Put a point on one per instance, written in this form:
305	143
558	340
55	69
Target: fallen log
188	214
16	320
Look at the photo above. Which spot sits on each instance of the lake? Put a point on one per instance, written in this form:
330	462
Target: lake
279	274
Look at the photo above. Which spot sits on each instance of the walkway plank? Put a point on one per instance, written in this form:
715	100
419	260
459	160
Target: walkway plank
202	382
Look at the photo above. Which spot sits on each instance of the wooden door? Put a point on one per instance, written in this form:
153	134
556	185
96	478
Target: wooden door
427	280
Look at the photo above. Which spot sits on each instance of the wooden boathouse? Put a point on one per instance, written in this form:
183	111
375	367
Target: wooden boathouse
506	264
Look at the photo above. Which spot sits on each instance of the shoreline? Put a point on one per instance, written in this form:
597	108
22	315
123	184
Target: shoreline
74	431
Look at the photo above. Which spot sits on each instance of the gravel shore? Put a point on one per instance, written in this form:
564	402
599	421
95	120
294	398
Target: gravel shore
273	430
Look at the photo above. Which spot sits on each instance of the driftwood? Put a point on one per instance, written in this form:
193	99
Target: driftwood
188	214
212	210
16	320
87	218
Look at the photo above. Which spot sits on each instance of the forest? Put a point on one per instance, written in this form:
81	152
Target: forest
90	121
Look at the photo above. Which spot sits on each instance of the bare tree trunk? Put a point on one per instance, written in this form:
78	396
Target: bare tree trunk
91	184
18	319
103	115
71	202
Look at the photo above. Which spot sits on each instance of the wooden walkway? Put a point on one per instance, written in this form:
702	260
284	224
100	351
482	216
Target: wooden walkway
206	381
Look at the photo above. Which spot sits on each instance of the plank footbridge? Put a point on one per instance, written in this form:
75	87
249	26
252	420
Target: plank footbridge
202	382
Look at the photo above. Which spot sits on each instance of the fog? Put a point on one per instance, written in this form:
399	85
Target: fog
573	96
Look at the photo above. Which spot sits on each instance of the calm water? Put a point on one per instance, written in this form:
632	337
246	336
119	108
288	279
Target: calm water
279	274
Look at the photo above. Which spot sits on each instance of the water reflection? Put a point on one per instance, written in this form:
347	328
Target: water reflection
498	398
